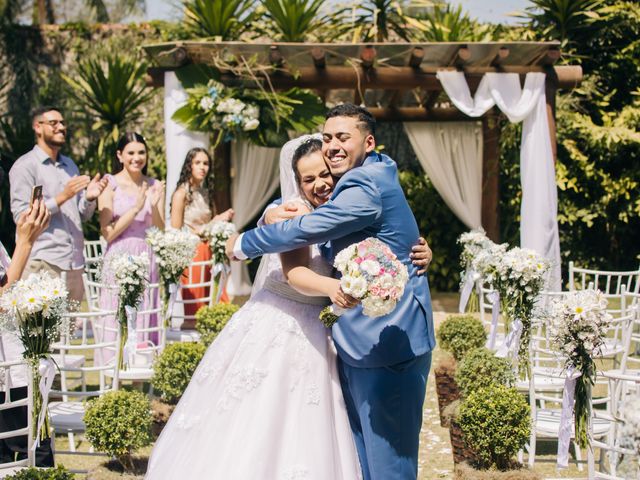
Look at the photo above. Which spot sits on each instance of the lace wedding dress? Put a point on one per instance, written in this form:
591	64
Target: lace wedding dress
265	402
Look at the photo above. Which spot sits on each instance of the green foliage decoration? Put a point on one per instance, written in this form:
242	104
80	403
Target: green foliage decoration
293	20
460	334
481	367
220	19
211	320
112	88
261	116
174	368
32	473
496	423
446	23
119	423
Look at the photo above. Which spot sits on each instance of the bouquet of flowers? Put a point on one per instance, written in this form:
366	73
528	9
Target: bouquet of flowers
473	244
35	307
578	324
131	277
519	278
216	235
372	273
174	250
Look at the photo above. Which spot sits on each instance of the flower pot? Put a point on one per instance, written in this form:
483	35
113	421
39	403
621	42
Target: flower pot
446	388
461	452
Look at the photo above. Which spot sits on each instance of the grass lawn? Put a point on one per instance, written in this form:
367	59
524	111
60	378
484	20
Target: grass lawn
435	460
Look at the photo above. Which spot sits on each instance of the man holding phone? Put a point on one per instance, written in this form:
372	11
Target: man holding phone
69	196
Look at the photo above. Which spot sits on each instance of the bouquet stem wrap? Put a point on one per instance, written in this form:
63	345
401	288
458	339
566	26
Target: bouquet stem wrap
495	312
170	301
42	376
220	273
564	433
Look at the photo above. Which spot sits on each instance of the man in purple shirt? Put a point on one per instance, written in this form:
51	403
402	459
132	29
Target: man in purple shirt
69	196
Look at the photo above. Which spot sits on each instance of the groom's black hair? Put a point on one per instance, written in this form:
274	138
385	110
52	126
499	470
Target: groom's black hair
305	148
366	122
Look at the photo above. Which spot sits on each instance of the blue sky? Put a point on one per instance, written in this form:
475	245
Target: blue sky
495	11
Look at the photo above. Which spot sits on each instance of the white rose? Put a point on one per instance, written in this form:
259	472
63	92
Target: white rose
251	124
354	286
371	267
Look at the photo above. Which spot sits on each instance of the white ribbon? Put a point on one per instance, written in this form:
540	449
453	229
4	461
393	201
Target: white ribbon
129	349
566	419
173	292
47	371
509	347
494	296
223	269
467	288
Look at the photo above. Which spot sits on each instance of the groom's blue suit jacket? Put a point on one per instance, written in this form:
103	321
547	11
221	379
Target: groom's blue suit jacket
366	202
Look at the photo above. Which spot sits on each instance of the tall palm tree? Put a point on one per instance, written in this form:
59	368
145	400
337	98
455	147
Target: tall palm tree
564	20
445	23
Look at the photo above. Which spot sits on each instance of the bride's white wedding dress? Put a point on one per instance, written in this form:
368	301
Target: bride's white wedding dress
265	402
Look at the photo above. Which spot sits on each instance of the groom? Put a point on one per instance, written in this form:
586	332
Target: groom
383	362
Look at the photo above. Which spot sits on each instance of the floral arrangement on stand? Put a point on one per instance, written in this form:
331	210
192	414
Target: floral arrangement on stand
473	243
216	235
578	325
262	116
131	277
35	308
519	278
372	273
174	250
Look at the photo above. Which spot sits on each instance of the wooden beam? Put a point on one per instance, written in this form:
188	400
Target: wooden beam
568	77
275	56
419	114
503	53
222	176
462	56
368	56
415	60
319	59
551	57
490	209
457	59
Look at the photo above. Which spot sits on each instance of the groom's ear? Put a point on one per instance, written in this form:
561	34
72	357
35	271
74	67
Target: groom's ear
369	143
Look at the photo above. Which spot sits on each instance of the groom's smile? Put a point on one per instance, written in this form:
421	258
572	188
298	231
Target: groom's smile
345	144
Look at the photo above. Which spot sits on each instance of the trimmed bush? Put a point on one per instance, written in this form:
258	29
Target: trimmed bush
496	423
173	369
119	423
459	334
31	473
479	368
211	320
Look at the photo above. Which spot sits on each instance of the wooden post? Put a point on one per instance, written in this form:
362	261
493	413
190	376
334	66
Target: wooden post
490	215
222	176
551	86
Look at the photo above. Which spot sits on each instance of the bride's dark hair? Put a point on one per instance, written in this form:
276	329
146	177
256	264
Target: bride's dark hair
207	184
305	148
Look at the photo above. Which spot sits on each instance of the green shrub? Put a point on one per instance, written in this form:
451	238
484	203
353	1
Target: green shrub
173	369
119	423
479	368
460	334
31	473
211	320
496	424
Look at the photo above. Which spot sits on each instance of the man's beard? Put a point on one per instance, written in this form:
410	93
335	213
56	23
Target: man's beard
52	142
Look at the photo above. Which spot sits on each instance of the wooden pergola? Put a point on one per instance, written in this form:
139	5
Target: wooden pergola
395	81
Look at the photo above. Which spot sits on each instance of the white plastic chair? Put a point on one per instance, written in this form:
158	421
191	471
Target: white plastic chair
8	403
621	386
610	283
67	415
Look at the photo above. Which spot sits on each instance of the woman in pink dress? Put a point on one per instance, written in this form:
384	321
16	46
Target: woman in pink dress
132	203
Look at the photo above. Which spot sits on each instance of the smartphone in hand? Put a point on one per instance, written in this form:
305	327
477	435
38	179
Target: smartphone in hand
36	194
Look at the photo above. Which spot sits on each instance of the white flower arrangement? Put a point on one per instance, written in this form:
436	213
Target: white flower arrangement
578	326
372	273
216	234
174	250
227	112
473	243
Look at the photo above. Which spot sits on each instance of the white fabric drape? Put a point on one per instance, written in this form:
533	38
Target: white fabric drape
538	213
256	178
178	139
451	155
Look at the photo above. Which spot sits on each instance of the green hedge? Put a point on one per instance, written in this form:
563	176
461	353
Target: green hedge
460	334
479	368
211	320
173	369
31	473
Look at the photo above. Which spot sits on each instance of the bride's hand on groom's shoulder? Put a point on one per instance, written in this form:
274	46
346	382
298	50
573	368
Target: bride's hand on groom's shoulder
421	255
286	211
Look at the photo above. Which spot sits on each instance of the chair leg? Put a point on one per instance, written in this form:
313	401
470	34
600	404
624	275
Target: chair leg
578	456
532	447
72	442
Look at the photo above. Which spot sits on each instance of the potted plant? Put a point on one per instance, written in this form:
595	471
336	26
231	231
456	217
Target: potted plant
457	335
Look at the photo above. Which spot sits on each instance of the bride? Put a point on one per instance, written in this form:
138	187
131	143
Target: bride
265	401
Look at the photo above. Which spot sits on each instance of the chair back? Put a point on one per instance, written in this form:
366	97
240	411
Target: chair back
7	402
611	283
200	280
93	253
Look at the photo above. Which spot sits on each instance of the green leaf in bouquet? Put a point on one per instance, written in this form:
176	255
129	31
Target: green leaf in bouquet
192	75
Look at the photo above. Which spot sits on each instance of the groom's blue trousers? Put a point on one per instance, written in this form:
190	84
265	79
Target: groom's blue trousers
385	412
